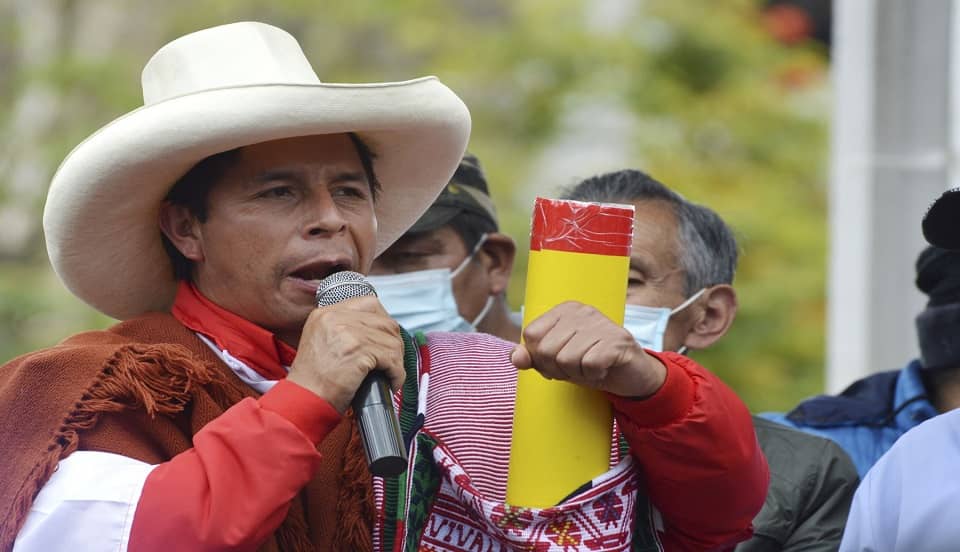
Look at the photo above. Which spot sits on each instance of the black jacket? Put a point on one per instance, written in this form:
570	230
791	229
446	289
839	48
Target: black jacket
812	481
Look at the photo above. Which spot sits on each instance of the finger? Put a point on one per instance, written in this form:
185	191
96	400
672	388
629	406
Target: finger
372	325
383	341
570	359
380	322
394	364
366	303
520	357
597	361
541	326
387	361
544	353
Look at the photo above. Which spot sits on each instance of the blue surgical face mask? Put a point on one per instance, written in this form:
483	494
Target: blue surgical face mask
423	301
648	324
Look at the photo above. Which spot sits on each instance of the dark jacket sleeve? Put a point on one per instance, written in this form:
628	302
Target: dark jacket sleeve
812	482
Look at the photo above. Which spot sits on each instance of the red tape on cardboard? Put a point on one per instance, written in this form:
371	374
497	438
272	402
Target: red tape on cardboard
581	227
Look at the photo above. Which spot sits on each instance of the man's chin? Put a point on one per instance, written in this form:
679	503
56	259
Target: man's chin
292	309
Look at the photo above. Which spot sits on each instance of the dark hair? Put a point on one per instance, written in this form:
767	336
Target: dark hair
367	157
193	189
707	247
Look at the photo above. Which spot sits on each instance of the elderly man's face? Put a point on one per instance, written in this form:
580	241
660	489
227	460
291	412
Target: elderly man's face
287	214
656	279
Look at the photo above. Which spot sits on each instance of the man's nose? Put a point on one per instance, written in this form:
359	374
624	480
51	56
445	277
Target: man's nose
323	216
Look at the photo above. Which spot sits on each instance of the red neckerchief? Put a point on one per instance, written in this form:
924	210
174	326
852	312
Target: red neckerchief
254	346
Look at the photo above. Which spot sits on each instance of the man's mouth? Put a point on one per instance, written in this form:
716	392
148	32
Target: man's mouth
315	272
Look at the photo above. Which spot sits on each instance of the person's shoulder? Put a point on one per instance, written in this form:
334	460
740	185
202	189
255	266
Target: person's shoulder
903	494
938	432
768	429
792	439
778	418
147	328
93	346
82	343
791	451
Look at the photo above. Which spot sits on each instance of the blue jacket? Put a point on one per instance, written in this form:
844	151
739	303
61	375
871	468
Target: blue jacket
867	417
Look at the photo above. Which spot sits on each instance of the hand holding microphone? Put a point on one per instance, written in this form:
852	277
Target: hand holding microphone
350	352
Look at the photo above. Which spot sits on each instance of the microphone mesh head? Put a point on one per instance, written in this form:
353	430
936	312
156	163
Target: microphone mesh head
341	286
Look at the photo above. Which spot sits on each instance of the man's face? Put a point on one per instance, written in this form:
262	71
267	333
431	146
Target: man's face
285	215
440	248
656	278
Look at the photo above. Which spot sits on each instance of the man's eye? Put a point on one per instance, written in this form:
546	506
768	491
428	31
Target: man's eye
635	282
350	191
278	191
407	261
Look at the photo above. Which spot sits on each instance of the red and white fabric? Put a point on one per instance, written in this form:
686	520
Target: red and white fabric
233	488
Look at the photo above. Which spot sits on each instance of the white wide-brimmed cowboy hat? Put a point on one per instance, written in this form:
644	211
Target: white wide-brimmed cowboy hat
212	91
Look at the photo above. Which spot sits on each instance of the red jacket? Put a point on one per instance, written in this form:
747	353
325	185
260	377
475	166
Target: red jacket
694	440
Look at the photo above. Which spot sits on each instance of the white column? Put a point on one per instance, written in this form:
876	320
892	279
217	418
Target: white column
890	158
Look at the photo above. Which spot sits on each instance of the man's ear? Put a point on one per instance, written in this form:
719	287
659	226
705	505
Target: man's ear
717	309
182	228
497	254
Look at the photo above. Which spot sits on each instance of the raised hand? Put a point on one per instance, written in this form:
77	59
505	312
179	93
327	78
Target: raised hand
341	344
577	343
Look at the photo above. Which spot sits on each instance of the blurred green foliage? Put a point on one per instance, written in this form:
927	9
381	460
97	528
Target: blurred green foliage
721	112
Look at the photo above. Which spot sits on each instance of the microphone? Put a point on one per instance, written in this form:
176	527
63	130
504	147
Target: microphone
373	402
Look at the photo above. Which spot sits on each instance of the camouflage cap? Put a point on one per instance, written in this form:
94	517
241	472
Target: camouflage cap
466	192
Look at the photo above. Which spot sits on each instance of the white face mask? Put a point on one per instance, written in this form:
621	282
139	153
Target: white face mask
648	324
423	301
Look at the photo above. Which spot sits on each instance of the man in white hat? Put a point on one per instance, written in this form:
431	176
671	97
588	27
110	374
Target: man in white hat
215	416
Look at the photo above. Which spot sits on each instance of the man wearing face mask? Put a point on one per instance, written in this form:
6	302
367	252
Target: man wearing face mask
680	296
450	270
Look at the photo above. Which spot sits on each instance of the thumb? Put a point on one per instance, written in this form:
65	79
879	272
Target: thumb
520	357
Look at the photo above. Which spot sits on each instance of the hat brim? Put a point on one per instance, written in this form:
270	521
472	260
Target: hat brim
101	216
941	224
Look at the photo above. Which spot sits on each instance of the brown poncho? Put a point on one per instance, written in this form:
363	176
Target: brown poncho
142	389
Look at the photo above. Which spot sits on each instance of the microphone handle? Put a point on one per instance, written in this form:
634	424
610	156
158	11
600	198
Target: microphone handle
379	426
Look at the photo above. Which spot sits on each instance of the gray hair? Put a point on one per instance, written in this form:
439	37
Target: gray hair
707	249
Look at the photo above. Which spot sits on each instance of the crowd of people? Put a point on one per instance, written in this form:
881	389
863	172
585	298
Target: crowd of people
216	415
